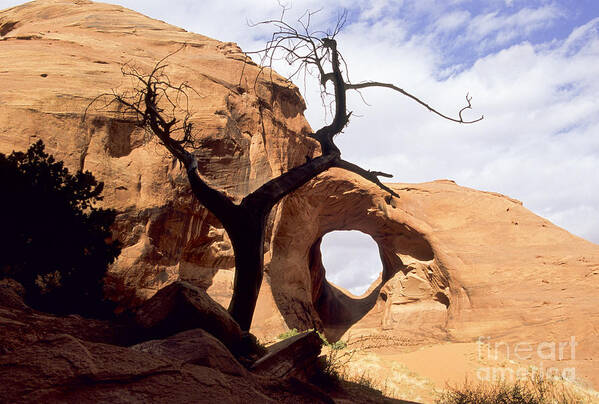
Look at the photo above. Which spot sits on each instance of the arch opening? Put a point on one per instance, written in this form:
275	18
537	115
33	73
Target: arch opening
402	273
351	260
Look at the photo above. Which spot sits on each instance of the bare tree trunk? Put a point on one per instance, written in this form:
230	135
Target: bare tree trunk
248	246
246	226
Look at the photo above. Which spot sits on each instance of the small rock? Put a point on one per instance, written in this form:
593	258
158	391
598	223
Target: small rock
197	347
11	294
296	356
181	306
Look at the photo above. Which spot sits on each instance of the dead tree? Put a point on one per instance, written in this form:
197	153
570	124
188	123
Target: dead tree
314	52
161	107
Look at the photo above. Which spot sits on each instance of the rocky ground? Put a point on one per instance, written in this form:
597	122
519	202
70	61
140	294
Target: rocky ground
45	358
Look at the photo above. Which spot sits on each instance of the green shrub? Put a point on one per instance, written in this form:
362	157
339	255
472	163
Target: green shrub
55	241
335	345
288	334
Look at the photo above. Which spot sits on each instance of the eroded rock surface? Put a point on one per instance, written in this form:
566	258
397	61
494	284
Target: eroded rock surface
62	368
197	347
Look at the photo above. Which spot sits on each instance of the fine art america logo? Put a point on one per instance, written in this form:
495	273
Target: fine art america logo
514	353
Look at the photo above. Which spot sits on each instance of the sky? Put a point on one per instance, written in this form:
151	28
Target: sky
531	67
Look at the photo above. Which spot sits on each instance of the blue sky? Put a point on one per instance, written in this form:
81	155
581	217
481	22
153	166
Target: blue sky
530	65
468	31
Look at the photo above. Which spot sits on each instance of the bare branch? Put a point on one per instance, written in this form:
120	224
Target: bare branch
349	86
162	108
304	48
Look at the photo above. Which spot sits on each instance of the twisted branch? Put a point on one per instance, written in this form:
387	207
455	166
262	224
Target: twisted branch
350	86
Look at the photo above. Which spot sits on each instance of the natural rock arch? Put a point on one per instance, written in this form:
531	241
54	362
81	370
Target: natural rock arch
411	275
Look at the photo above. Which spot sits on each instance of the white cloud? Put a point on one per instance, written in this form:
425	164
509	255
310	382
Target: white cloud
351	259
452	20
495	28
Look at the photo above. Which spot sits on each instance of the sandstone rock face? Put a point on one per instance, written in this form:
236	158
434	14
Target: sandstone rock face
65	53
339	201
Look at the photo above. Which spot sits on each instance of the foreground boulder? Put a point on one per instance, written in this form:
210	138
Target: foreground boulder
182	306
296	356
62	368
45	358
196	347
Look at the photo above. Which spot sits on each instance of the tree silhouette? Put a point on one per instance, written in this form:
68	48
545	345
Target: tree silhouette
162	108
55	241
